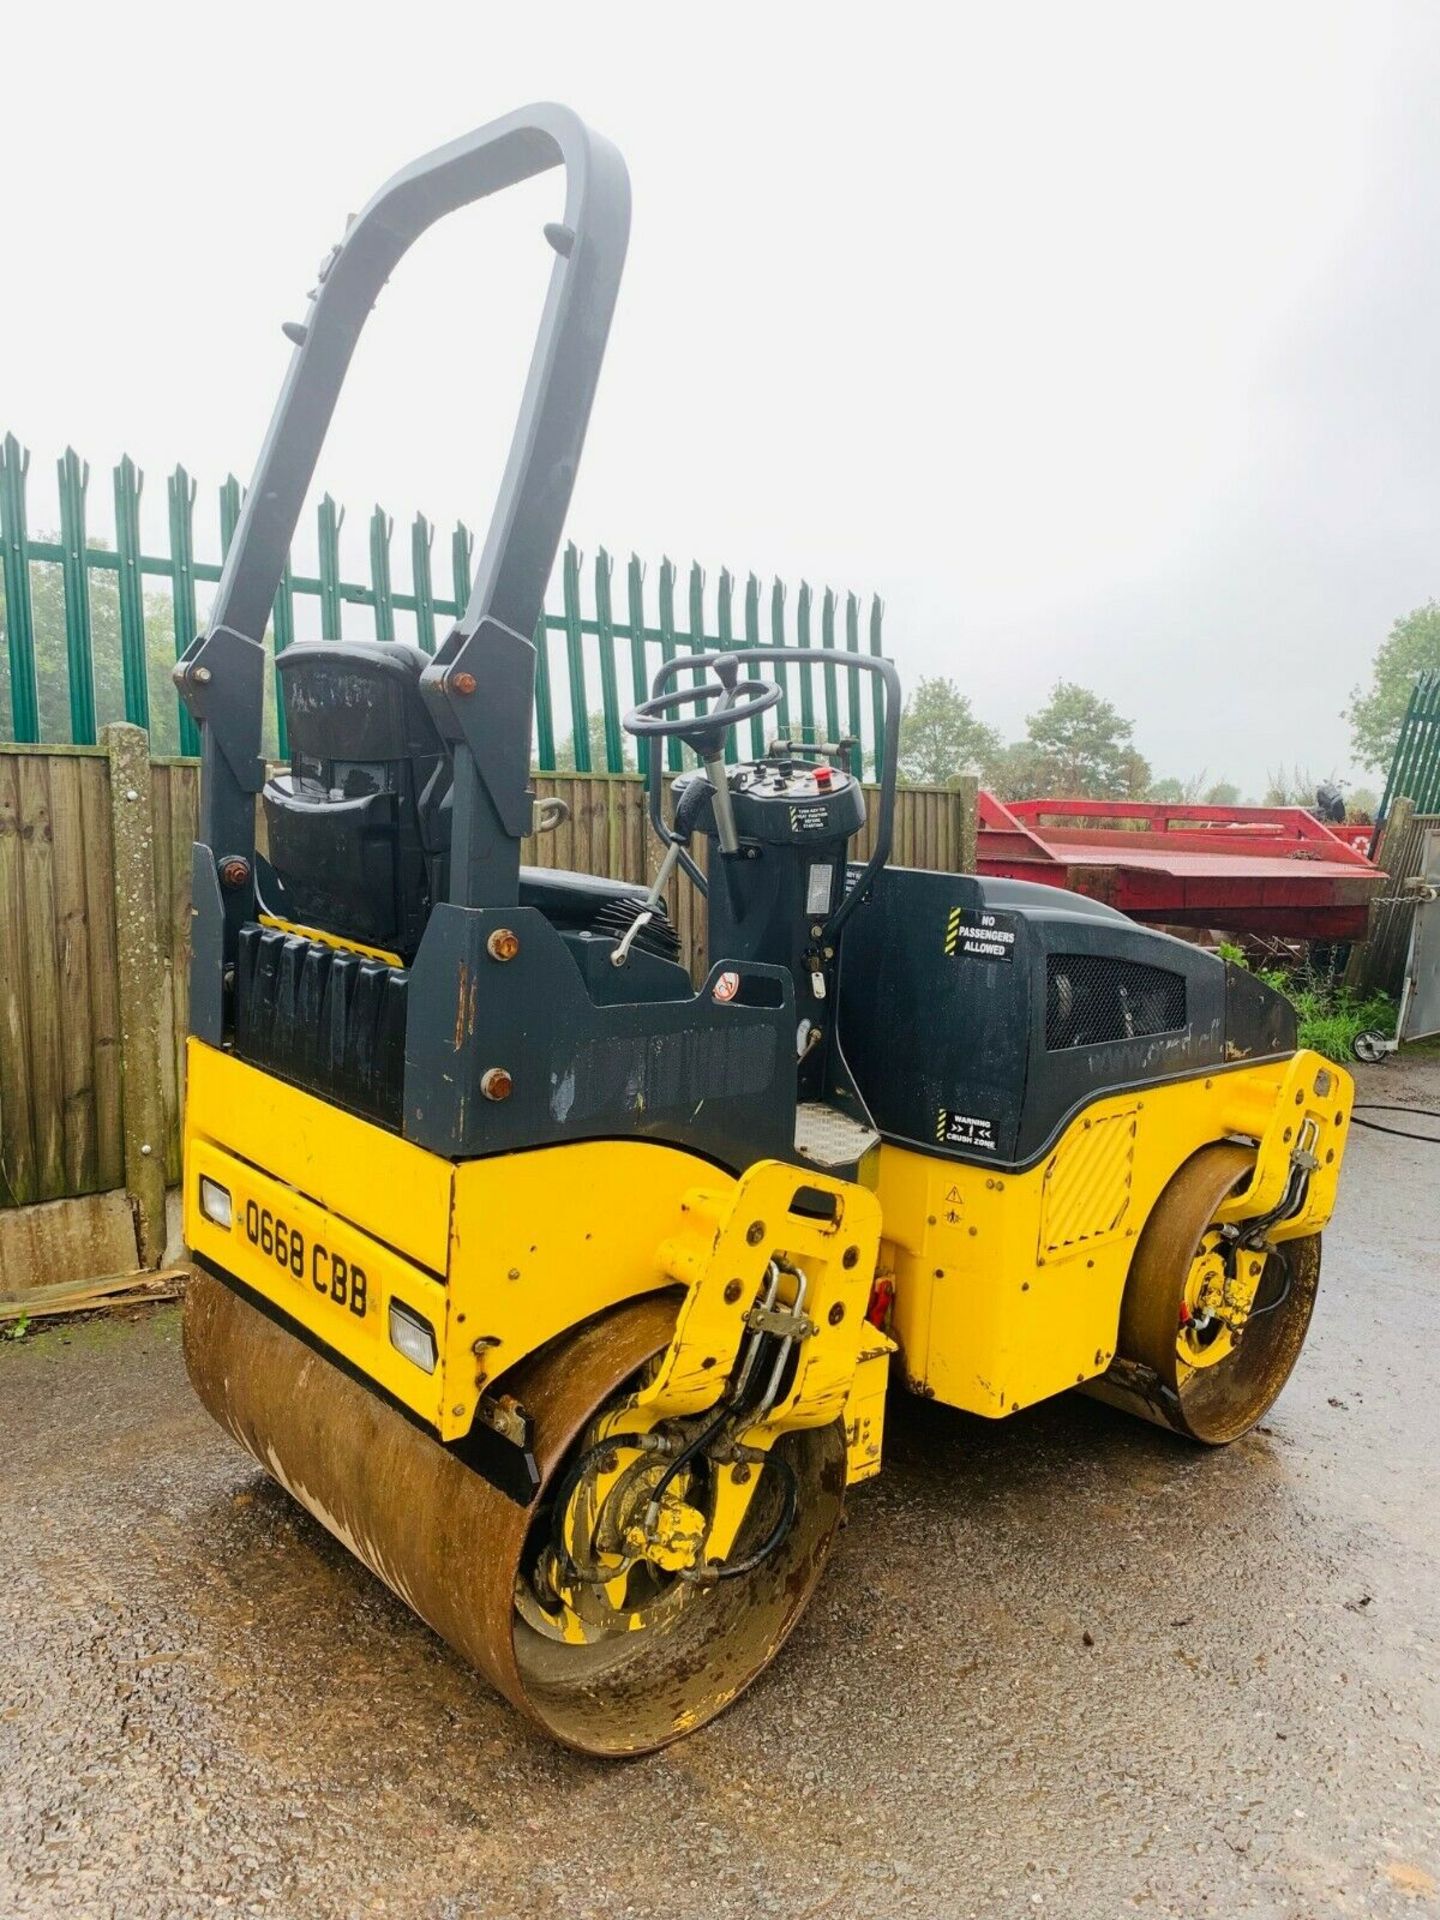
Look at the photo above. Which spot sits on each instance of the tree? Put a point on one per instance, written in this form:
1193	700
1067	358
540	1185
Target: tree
1412	647
1172	792
940	735
1019	772
1224	793
565	752
1079	747
1290	787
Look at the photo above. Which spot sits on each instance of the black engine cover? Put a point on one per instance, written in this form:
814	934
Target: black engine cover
978	1016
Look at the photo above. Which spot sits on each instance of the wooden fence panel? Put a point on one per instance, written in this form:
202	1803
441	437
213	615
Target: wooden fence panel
47	1082
72	977
59	1050
103	977
184	777
60	1015
17	1136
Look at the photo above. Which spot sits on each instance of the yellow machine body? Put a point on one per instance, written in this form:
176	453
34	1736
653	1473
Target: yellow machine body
1008	1286
332	1219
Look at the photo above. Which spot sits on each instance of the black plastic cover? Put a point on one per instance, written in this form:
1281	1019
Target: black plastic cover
329	1021
978	1016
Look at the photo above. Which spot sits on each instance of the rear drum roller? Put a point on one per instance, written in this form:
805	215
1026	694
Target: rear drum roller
1218	1328
621	1661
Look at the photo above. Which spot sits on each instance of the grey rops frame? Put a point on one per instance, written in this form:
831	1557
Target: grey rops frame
480	686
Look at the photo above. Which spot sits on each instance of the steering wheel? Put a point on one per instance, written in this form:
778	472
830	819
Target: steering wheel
664	717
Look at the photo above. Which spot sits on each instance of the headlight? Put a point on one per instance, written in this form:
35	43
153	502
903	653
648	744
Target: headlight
413	1336
215	1202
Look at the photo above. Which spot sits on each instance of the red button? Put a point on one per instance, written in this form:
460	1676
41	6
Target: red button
823	776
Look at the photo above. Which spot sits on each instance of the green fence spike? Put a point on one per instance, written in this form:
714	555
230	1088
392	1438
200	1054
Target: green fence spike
381	528
422	541
802	637
331	519
609	685
180	494
827	640
544	699
696	633
854	720
1431	800
1404	761
877	691
19	609
725	629
575	660
78	559
462	545
134	667
74	476
752	639
777	639
232	498
1422	781
284	637
639	673
668	645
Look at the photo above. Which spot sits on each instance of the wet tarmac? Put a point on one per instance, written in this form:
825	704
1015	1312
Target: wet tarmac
1064	1666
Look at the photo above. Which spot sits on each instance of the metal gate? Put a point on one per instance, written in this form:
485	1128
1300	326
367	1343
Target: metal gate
1420	998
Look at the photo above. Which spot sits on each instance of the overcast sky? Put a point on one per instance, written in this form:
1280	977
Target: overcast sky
1099	339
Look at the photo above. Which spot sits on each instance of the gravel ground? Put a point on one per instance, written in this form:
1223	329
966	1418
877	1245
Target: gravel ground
1064	1666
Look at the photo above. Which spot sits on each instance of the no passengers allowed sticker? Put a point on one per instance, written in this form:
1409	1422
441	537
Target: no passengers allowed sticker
974	933
955	1129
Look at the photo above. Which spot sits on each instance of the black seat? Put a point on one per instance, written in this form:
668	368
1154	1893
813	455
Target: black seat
359	827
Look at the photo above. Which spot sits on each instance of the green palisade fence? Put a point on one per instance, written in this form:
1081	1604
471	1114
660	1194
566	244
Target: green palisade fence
610	650
1415	767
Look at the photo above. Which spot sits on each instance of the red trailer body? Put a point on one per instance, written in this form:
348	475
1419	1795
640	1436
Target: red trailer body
1250	870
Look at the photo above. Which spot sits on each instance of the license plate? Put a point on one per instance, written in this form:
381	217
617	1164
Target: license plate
322	1271
328	1272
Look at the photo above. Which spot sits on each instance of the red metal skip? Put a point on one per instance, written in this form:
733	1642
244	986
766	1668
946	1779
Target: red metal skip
1256	870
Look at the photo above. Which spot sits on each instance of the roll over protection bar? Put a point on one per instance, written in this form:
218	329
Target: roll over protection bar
480	685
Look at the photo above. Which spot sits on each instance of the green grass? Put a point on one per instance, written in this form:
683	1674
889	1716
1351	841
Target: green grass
1330	1014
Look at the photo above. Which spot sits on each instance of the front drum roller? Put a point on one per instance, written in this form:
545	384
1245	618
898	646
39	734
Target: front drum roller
456	1550
1213	1334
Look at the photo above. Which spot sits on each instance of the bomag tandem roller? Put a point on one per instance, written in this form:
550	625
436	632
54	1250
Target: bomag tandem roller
565	1294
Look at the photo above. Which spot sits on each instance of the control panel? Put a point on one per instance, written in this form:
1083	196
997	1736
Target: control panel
772	899
795	802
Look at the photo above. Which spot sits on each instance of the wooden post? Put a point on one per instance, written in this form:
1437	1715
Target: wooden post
965	800
141	1101
1367	964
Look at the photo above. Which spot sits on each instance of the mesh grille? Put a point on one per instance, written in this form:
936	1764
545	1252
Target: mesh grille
1091	998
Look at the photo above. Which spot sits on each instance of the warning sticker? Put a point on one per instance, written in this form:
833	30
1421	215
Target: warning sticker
954	1129
805	819
974	933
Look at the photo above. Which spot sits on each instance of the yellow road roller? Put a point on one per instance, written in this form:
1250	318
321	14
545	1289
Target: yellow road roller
565	1292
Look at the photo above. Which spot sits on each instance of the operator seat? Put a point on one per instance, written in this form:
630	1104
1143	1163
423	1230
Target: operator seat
359	826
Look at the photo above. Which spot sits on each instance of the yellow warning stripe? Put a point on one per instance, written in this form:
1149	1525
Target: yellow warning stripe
331	940
952	929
